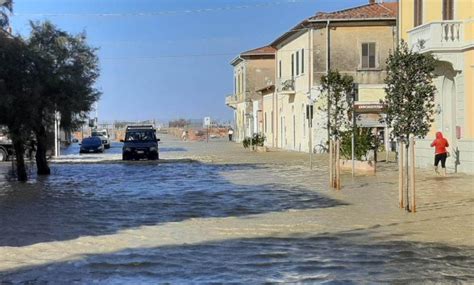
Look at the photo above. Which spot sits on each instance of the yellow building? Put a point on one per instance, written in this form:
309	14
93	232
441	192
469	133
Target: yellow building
445	28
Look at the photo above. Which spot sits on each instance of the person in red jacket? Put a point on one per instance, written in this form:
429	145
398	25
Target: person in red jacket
440	144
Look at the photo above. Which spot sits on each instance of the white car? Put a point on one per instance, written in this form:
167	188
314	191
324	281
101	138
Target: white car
104	137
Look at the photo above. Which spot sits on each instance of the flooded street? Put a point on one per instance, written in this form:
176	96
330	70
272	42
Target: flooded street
198	217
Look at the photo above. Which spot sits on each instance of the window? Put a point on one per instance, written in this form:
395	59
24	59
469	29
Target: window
279	69
292	65
368	55
297	63
418	13
272	122
265	122
302	60
448	10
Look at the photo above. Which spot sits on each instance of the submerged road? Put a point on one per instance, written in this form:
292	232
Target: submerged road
206	214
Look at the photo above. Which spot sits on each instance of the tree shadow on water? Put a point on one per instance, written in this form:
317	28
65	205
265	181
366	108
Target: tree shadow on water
342	258
97	199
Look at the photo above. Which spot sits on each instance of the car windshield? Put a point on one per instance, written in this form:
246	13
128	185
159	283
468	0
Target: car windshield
97	134
140	136
91	141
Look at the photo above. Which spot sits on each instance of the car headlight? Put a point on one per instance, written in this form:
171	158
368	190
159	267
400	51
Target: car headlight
127	149
153	149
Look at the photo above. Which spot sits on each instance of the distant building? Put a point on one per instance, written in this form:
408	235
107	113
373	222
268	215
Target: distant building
253	70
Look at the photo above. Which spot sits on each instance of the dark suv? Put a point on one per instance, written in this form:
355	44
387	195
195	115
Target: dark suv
140	142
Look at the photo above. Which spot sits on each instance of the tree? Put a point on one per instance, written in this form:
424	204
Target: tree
336	89
68	71
6	6
409	94
17	91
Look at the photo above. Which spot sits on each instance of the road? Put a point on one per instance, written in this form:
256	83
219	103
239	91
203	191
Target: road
215	213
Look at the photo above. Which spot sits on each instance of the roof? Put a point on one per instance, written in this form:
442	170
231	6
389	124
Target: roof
375	11
261	51
266	50
369	11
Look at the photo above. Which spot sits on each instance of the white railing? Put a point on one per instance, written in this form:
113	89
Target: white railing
286	85
231	101
437	36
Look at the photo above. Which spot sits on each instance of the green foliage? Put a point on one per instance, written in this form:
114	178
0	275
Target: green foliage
254	141
337	90
365	141
68	71
409	92
6	6
247	142
258	140
50	72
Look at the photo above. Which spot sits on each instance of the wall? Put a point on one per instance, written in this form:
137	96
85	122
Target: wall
292	133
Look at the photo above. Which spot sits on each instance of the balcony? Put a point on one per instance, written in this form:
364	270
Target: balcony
286	86
437	36
231	101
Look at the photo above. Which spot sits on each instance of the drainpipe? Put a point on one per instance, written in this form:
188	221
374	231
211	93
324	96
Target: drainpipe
275	92
328	54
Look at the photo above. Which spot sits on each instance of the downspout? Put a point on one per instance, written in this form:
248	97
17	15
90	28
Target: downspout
328	62
310	85
275	102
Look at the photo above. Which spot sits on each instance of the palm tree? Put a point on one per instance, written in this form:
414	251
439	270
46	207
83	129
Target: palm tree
5	7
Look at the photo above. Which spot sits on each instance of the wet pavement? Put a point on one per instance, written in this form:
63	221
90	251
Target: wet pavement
204	220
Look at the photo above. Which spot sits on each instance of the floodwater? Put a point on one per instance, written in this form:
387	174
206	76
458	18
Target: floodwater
99	200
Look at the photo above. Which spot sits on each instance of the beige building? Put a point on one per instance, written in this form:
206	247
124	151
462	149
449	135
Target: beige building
253	70
445	28
354	41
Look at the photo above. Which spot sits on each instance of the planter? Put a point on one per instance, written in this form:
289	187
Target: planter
261	149
368	167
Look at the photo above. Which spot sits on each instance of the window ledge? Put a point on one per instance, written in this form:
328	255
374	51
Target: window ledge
370	69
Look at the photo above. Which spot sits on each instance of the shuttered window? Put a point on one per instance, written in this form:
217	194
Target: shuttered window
418	13
292	65
297	63
302	61
448	10
368	55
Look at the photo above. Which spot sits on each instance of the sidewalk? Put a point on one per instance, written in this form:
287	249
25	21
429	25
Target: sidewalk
445	205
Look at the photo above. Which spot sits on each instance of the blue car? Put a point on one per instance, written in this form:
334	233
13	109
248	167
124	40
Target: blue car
91	145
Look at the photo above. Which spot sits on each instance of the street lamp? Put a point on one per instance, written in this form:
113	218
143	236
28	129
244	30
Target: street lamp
57	120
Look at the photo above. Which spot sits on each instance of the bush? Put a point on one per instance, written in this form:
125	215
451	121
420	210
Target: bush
365	142
254	141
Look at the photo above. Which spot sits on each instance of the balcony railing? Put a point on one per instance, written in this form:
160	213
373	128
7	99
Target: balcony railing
286	86
444	35
231	101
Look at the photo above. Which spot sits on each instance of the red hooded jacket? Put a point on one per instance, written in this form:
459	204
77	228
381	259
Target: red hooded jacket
440	143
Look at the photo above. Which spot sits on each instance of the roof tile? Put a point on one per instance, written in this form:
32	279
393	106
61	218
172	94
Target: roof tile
370	11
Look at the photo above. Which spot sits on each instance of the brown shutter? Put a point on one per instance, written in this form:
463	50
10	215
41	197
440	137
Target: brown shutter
448	10
418	13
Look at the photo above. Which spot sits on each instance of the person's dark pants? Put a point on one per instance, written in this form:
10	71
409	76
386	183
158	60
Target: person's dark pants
441	157
230	137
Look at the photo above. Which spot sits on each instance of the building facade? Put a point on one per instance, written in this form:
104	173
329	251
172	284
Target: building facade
253	70
355	41
445	28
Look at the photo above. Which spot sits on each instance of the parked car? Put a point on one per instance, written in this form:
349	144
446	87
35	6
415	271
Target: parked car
91	145
140	142
104	136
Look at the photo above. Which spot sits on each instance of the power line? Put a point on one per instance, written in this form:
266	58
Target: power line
164	13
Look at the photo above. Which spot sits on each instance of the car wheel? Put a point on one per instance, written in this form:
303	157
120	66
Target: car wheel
3	155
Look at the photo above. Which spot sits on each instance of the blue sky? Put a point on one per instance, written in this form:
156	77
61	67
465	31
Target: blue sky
166	59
